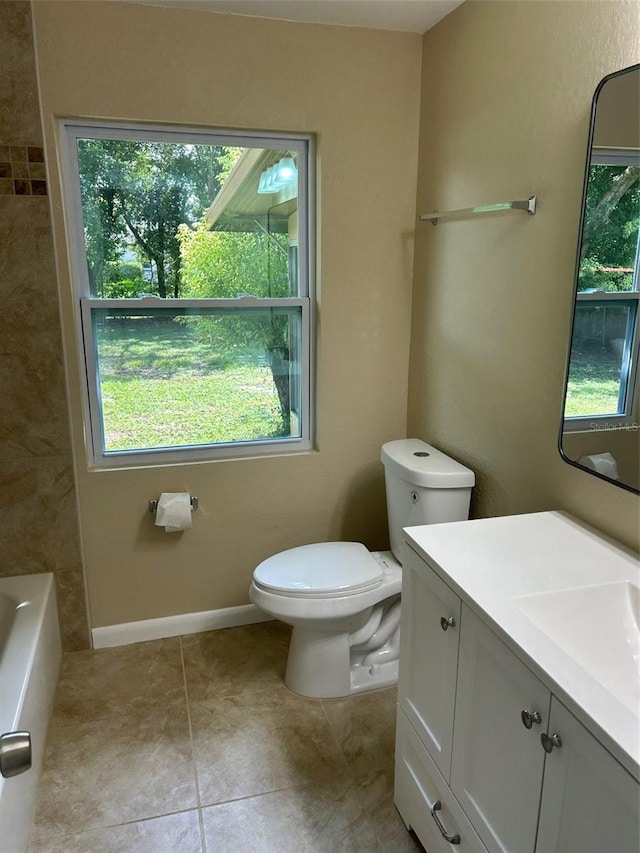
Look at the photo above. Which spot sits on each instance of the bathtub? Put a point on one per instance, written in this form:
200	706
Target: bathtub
29	664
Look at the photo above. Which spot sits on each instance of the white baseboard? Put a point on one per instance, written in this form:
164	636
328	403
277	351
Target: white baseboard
173	626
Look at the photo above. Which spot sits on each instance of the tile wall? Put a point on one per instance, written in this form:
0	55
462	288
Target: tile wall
38	517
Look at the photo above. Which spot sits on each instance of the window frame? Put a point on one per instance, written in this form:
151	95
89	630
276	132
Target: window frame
70	130
629	387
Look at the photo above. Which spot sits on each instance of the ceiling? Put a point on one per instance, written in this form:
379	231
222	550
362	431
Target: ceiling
415	16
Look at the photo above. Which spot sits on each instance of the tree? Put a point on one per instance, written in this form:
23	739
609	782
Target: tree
139	193
610	233
229	264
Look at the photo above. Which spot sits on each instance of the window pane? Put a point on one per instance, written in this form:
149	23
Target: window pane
184	378
177	219
610	234
598	379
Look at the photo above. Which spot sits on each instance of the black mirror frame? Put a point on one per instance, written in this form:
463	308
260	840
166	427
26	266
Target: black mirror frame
583	209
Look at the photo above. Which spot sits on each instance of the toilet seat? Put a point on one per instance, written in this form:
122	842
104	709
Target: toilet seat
323	570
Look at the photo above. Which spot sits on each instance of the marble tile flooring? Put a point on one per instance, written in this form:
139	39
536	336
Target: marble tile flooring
194	745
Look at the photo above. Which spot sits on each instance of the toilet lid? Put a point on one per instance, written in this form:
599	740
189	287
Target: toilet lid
325	569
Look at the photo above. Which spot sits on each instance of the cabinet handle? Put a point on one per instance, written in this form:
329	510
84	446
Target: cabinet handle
452	839
549	742
530	717
447	623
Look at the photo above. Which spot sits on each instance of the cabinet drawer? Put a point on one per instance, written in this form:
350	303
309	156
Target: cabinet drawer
418	786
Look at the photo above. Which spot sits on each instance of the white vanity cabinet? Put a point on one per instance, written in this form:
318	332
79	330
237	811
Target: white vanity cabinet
590	804
498	760
487	759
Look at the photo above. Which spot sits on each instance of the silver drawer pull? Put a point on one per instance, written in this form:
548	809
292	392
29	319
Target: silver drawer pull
447	623
452	839
530	717
549	742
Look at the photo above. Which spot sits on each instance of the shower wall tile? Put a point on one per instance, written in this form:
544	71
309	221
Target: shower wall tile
72	610
33	412
28	289
38	511
39	530
18	87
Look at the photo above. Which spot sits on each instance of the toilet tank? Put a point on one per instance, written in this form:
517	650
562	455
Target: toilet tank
424	486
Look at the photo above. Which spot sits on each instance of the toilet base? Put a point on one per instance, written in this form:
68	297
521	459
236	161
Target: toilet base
319	667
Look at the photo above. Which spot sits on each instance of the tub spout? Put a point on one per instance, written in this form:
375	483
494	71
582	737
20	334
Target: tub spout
15	753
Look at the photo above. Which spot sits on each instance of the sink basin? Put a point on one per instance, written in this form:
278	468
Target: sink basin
599	627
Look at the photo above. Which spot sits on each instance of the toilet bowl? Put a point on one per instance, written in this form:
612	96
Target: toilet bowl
344	605
342	600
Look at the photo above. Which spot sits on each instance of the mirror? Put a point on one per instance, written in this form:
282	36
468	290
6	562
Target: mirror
600	430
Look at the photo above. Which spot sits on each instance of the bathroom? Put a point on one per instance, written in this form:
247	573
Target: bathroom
457	335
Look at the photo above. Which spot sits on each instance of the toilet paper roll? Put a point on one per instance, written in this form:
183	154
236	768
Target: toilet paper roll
603	463
174	511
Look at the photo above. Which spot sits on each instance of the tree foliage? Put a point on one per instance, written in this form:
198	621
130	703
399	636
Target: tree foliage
232	264
610	234
138	194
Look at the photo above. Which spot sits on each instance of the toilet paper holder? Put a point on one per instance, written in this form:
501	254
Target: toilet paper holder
153	504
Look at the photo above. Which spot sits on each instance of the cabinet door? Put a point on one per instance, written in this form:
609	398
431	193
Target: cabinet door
497	766
429	657
590	804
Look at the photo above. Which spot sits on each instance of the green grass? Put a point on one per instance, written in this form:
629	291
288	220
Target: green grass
594	381
161	387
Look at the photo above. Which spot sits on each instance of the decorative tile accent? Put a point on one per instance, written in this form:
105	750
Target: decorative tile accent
18	154
22	187
22	170
37	171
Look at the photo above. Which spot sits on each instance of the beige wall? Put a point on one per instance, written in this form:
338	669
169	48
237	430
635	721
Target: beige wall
358	90
507	89
618	123
38	524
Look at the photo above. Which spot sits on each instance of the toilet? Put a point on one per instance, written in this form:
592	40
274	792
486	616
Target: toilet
342	600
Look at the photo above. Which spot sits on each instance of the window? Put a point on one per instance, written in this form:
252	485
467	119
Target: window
601	390
191	262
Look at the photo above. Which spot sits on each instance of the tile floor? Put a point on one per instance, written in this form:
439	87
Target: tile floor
194	745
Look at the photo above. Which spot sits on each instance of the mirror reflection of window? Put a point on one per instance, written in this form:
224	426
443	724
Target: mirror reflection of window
600	427
606	317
